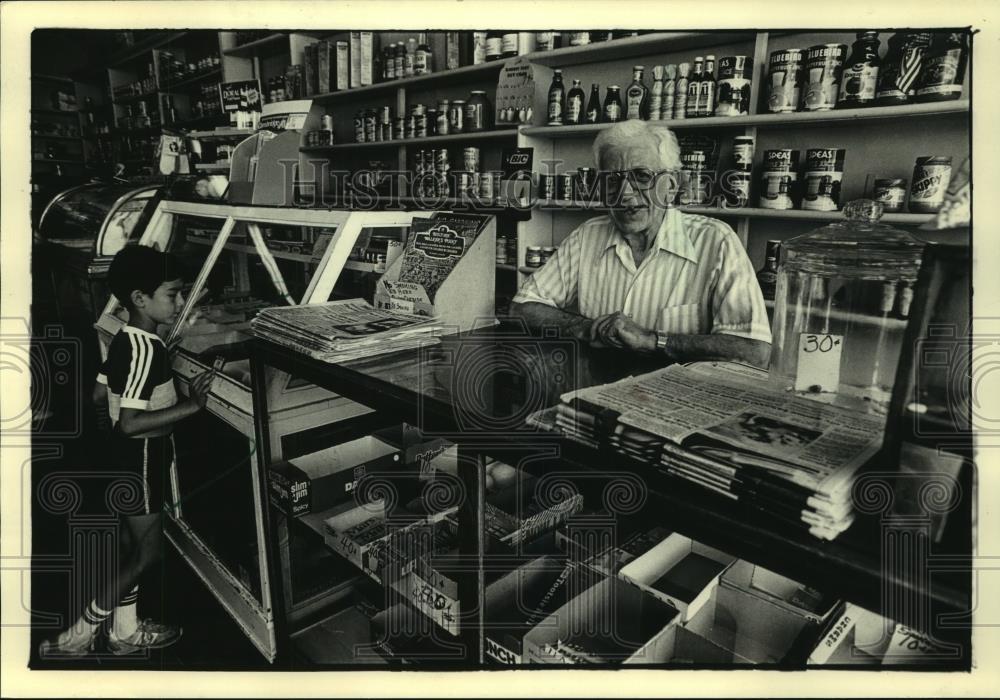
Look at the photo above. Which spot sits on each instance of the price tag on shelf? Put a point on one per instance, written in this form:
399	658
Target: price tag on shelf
819	362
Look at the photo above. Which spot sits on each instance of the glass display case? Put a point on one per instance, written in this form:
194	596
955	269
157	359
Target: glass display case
80	231
236	261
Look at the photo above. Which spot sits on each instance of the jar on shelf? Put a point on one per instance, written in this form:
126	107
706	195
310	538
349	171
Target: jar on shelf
838	326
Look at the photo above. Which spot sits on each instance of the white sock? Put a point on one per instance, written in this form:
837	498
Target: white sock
125	623
86	627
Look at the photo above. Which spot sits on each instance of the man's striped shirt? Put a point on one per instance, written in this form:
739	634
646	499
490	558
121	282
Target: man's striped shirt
695	279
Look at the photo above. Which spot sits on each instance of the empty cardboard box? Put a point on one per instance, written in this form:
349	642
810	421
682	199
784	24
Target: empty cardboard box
678	571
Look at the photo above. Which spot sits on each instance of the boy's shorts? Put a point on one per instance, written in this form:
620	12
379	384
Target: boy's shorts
149	461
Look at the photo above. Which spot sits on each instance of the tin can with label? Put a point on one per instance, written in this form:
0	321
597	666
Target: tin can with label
327	123
785	80
736	188
470	159
743	147
564	185
399	128
441	163
464	184
385	114
547	252
821	179
419	121
824	65
370	123
359	127
779	179
456	117
441	119
486	185
501	251
890	193
733	91
931	176
546	186
586	185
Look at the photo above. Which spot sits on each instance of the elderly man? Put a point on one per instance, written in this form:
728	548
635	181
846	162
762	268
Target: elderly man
648	277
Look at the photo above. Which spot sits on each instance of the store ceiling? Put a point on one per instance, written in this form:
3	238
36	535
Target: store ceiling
75	53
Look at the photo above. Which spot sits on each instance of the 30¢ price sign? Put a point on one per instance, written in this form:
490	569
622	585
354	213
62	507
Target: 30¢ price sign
819	362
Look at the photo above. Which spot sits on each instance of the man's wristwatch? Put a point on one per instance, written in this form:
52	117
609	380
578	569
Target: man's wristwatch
661	343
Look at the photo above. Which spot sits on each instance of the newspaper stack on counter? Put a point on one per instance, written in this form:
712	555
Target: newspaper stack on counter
722	427
339	331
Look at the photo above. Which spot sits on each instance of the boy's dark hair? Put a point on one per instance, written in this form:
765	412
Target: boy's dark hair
139	267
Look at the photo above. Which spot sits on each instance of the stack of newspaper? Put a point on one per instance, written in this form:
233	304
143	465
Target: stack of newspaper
340	331
720	426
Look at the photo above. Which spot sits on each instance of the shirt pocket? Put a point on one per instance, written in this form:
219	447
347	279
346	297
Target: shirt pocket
682	319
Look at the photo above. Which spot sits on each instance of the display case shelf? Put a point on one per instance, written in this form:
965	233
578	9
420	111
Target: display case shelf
59	161
57	112
427	140
803	119
244	248
213	167
57	138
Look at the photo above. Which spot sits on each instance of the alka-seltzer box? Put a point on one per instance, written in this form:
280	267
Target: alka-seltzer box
319	480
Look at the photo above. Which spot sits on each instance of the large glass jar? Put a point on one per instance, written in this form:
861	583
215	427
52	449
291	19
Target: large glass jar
841	307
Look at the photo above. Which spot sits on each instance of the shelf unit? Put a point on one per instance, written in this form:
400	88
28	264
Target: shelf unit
182	93
879	141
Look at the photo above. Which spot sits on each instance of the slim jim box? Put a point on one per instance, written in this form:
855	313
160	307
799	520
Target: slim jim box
317	481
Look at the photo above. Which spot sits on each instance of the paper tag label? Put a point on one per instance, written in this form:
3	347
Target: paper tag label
909	646
819	362
402	305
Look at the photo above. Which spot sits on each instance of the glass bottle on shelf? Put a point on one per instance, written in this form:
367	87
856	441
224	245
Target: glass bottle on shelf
494	45
637	96
510	45
574	104
943	70
694	90
860	76
706	89
767	276
423	64
613	104
479	48
594	105
556	100
681	92
410	59
835	337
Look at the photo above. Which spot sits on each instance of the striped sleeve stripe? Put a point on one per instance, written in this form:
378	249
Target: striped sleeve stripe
139	371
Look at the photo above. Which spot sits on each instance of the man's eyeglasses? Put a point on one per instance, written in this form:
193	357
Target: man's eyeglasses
638	178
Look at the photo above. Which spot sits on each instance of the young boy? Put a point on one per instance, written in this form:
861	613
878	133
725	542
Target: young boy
144	407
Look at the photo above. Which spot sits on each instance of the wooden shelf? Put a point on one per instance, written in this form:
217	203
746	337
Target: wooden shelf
506	268
249	48
52	78
147	44
802	119
245	248
747	212
525	270
427	140
57	161
417	82
129	99
658	42
57	138
57	112
167	87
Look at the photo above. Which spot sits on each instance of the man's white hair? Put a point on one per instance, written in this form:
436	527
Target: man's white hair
626	134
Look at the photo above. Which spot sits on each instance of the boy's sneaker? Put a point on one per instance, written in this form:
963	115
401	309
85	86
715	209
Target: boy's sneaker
148	635
67	645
